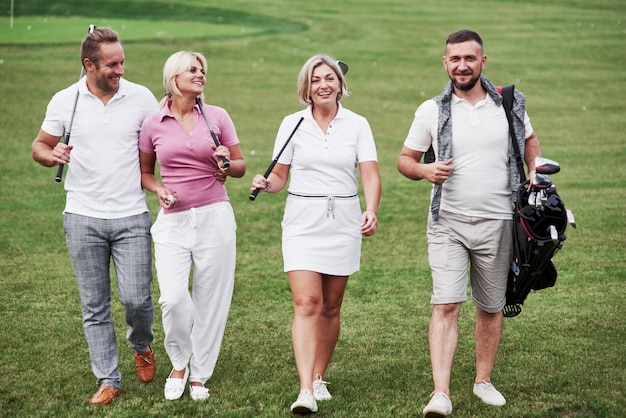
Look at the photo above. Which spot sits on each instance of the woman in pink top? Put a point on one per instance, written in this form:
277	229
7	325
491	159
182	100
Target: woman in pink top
195	225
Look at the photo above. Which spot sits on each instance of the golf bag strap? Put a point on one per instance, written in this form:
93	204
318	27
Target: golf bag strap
507	103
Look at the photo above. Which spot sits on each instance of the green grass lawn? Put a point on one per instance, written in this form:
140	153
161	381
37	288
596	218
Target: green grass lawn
44	30
562	357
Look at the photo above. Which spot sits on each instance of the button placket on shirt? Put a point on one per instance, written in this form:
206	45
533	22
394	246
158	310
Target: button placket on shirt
327	136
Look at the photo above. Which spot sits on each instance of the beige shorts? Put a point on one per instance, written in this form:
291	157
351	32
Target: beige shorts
464	249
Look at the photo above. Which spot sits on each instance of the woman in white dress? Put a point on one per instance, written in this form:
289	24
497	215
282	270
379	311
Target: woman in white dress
323	222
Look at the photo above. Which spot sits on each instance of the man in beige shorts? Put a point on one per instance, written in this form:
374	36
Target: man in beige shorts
470	221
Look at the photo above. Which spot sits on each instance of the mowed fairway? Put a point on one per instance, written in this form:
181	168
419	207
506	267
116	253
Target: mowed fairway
563	356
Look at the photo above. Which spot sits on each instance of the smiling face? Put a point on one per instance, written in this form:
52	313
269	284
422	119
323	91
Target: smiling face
106	71
192	81
464	63
325	86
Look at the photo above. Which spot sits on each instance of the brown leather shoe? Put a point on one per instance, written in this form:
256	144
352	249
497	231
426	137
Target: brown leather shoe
104	395
145	364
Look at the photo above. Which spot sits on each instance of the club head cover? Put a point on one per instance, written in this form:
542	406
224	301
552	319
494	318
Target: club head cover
343	67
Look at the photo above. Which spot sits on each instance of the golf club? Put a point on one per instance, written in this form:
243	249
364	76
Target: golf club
570	218
59	175
546	166
532	199
256	191
217	142
540	186
543	197
554	234
343	67
541	182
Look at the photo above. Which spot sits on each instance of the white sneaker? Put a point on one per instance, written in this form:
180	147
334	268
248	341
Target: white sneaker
320	391
174	388
305	404
198	393
439	406
489	394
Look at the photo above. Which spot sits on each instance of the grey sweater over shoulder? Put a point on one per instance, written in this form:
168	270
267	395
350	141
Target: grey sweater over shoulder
444	136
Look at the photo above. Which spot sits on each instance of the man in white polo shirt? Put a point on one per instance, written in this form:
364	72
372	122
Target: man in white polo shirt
105	213
470	220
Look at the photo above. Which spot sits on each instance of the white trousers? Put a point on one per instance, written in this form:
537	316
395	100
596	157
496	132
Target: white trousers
194	322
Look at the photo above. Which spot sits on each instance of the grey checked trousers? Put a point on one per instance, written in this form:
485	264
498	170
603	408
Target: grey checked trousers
92	243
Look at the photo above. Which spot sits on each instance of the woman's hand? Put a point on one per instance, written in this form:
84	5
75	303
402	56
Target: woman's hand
220	175
261	183
167	199
219	153
369	223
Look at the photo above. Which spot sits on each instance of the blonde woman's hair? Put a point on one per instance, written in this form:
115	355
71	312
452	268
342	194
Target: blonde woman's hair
306	73
176	64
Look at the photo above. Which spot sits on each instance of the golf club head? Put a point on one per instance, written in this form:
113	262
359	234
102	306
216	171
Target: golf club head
546	166
532	198
535	200
543	198
554	234
541	182
343	67
551	189
570	218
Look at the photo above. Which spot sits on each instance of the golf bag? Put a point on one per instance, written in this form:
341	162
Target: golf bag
537	235
538	231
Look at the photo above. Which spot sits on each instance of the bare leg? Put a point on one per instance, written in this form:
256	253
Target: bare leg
329	324
488	332
177	374
443	335
306	289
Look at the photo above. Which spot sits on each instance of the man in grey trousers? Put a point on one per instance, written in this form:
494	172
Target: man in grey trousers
105	214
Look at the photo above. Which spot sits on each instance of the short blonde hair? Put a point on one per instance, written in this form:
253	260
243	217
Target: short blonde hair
177	64
306	73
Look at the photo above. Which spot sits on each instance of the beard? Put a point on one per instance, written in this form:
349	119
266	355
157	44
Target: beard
107	85
465	86
105	82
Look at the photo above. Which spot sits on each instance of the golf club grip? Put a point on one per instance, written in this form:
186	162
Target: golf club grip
59	173
60	169
217	144
256	191
254	194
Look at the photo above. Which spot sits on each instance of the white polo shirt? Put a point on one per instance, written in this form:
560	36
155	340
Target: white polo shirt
479	185
325	163
103	178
